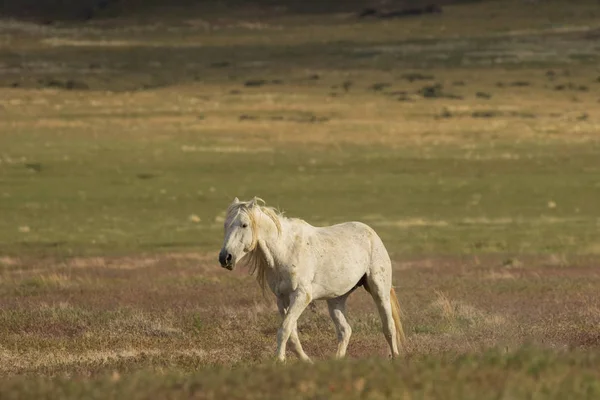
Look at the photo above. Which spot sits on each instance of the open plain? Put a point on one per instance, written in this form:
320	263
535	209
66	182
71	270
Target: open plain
470	140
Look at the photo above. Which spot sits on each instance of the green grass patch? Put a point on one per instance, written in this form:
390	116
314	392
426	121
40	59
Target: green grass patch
526	373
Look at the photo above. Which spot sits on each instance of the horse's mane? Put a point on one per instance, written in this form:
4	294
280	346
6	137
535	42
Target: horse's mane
257	262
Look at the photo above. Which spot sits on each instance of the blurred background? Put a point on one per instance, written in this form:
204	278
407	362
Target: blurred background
48	10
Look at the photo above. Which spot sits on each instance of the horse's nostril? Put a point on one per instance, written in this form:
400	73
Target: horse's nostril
228	257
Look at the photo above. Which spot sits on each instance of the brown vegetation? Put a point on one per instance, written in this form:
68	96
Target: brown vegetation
87	315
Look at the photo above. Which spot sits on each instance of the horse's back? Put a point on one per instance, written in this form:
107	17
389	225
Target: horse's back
344	253
365	234
352	231
351	238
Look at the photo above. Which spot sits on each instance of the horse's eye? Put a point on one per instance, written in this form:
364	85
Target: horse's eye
244	225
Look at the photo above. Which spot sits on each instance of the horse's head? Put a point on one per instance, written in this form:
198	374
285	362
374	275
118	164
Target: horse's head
240	231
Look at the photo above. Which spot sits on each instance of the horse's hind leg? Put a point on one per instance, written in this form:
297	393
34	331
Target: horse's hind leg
337	309
379	285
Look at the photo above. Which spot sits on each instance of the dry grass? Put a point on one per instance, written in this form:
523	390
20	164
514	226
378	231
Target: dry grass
501	82
275	113
84	316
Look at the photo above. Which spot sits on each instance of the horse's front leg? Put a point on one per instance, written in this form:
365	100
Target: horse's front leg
299	300
282	305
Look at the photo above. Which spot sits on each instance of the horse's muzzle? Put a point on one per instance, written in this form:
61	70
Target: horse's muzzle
226	260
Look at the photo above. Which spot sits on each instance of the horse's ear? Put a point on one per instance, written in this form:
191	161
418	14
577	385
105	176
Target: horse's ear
255	201
236	200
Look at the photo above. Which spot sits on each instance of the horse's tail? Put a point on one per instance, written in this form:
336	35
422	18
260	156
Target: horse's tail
396	312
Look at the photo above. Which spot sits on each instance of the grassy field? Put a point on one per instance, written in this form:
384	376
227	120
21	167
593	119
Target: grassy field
469	140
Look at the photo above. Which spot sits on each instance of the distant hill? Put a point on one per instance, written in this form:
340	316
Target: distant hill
82	10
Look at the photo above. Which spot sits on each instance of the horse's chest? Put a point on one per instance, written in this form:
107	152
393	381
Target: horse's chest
284	280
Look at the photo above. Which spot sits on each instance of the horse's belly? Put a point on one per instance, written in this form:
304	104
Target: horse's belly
336	280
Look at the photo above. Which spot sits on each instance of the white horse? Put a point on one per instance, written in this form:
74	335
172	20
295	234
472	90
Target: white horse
301	263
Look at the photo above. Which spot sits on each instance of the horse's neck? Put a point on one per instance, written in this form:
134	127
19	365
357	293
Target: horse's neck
276	245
